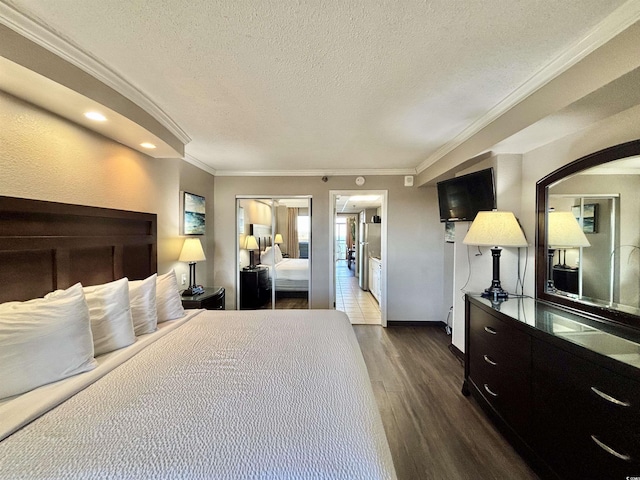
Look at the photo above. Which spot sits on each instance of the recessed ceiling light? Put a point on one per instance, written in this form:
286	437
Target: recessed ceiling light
147	145
98	117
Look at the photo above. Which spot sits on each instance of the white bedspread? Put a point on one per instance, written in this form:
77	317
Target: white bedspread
252	394
293	269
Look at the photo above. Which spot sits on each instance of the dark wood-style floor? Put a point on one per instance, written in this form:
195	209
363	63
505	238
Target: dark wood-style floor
288	303
433	430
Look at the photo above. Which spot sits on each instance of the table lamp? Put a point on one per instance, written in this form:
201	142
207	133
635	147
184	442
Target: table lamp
564	231
495	229
278	239
192	252
251	244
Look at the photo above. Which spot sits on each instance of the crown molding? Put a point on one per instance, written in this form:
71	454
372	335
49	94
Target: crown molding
198	163
39	33
315	173
618	21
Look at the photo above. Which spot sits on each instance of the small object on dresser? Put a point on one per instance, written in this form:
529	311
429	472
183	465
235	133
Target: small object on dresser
212	298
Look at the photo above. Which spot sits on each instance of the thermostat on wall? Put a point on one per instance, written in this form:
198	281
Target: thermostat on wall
408	180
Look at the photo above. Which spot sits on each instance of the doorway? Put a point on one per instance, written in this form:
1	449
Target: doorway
358	279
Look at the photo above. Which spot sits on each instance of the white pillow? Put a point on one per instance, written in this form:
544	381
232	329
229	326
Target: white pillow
142	298
44	340
111	323
277	253
266	257
168	300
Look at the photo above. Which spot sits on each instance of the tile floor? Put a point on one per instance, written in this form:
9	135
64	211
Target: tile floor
359	305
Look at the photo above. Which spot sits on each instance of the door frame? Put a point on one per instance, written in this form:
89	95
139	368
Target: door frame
383	247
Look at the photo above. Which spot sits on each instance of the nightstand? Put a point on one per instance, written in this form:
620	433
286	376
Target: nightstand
211	299
255	288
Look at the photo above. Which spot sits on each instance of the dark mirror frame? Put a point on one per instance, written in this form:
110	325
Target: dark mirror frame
603	313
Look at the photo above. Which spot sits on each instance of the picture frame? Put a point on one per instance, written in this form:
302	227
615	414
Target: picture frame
193	214
590	219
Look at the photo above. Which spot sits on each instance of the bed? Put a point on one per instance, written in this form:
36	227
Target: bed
211	394
289	275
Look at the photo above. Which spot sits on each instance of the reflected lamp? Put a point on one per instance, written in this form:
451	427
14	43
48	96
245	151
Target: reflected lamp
495	229
251	244
192	252
564	232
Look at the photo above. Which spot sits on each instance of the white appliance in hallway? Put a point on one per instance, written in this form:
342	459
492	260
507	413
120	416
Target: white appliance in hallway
369	245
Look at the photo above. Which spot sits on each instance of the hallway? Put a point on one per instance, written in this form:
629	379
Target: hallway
359	305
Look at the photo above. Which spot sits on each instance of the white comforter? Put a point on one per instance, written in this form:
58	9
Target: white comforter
260	394
293	269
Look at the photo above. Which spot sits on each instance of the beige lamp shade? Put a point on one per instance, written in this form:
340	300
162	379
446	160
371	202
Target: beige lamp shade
251	243
564	231
491	229
192	251
278	239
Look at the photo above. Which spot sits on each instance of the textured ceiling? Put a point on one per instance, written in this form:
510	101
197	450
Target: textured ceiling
331	85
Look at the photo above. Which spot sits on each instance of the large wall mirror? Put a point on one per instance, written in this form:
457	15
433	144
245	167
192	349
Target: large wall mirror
588	241
274	252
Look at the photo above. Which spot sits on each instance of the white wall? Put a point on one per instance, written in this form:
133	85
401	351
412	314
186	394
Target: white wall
45	157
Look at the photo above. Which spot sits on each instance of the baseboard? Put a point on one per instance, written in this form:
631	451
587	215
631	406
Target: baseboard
457	352
413	323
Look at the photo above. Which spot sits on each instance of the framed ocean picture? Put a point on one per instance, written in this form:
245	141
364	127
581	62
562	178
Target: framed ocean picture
193	214
590	219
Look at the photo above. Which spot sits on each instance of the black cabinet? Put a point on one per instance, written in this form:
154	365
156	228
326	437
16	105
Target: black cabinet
213	298
566	279
255	288
565	393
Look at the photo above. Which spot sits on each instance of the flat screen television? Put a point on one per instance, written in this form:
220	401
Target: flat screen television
461	198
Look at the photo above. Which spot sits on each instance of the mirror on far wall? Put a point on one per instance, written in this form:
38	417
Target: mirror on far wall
273	252
588	248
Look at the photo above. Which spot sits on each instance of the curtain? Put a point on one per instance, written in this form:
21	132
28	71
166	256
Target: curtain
293	248
350	234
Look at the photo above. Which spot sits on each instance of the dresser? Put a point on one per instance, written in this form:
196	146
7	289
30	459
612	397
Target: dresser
255	287
563	390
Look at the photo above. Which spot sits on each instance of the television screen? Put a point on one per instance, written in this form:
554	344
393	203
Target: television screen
461	198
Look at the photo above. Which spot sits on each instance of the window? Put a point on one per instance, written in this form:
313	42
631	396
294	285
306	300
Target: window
303	228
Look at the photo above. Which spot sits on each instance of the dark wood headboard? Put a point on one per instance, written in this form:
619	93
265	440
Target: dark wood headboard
46	245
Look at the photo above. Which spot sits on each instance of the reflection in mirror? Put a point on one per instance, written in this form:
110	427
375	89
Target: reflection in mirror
276	231
599	267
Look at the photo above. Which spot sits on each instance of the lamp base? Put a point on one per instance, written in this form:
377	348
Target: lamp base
495	292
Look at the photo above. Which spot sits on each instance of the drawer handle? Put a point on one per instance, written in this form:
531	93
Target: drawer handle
490	330
493	394
609	398
610	450
489	361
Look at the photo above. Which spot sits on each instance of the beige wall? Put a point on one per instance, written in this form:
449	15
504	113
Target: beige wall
415	239
45	157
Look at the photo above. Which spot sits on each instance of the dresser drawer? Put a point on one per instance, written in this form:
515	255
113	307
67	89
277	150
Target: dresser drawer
585	417
507	392
498	337
499	367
